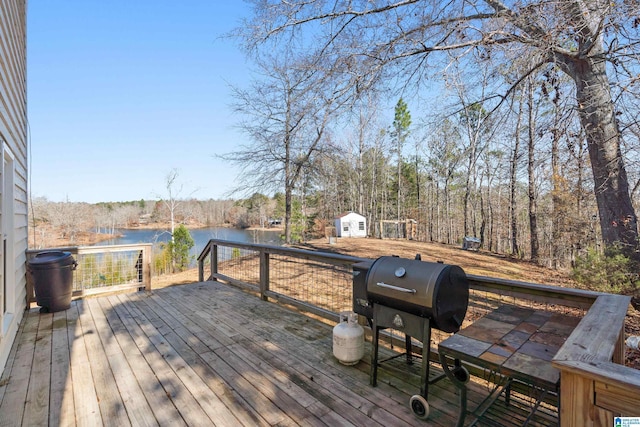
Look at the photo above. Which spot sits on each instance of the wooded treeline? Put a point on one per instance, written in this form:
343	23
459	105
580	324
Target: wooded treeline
492	185
517	177
516	123
67	220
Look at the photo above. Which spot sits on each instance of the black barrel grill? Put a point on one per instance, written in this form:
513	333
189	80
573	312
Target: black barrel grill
411	296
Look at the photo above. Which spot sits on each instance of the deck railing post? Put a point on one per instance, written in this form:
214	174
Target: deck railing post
214	262
146	267
264	274
206	252
200	270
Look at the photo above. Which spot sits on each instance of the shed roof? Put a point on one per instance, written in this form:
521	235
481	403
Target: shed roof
349	213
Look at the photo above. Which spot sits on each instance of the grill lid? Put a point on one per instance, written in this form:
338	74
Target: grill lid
435	290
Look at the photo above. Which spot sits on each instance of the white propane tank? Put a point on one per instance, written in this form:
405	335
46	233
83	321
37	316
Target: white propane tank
633	342
348	339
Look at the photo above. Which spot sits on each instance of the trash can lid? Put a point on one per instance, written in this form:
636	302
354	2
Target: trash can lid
49	257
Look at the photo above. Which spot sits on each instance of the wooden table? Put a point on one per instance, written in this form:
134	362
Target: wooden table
513	343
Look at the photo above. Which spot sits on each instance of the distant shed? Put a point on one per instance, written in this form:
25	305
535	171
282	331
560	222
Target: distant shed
471	243
351	225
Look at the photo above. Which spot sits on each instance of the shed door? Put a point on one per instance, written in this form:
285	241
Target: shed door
353	226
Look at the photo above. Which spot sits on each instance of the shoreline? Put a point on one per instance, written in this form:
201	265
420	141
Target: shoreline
46	237
167	226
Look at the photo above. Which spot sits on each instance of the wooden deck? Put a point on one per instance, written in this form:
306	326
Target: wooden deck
209	354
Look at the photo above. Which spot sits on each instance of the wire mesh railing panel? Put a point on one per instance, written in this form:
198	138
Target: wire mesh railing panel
99	270
482	302
324	285
240	264
102	269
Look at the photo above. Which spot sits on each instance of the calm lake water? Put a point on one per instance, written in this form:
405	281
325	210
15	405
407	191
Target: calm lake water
200	236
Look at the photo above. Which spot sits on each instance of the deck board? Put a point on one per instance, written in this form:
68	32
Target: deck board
110	401
311	335
181	341
161	358
186	363
206	354
36	411
138	410
141	371
17	383
85	399
279	375
267	336
61	412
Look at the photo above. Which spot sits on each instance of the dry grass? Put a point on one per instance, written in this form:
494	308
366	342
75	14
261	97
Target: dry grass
182	278
477	263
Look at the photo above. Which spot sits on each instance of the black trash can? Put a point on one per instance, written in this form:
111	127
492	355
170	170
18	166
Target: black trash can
52	275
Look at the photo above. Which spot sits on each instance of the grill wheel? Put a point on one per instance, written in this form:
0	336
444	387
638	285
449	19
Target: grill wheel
419	406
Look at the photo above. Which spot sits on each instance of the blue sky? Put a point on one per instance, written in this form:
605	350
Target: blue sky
121	92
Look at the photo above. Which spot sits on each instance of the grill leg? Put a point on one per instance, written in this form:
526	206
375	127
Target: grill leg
408	349
424	370
373	377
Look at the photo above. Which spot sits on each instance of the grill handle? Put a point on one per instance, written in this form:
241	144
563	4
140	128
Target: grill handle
396	288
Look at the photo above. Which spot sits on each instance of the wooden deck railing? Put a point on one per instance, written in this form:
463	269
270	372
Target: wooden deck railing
596	386
224	257
104	268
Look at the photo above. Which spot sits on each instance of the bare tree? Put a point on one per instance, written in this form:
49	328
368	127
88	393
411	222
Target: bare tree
445	157
513	182
469	86
587	40
491	161
286	115
347	176
533	194
171	201
70	218
37	216
175	198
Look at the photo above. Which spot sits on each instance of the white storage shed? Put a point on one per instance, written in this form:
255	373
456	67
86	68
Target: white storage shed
351	225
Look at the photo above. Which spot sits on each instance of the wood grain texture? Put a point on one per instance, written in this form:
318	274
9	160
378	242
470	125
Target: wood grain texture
514	341
61	412
590	341
210	355
36	411
15	395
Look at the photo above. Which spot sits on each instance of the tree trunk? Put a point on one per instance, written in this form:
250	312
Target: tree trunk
618	220
533	208
467	186
418	204
483	222
288	183
287	215
360	166
513	182
559	213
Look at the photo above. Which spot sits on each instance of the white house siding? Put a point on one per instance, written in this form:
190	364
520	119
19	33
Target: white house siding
13	171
